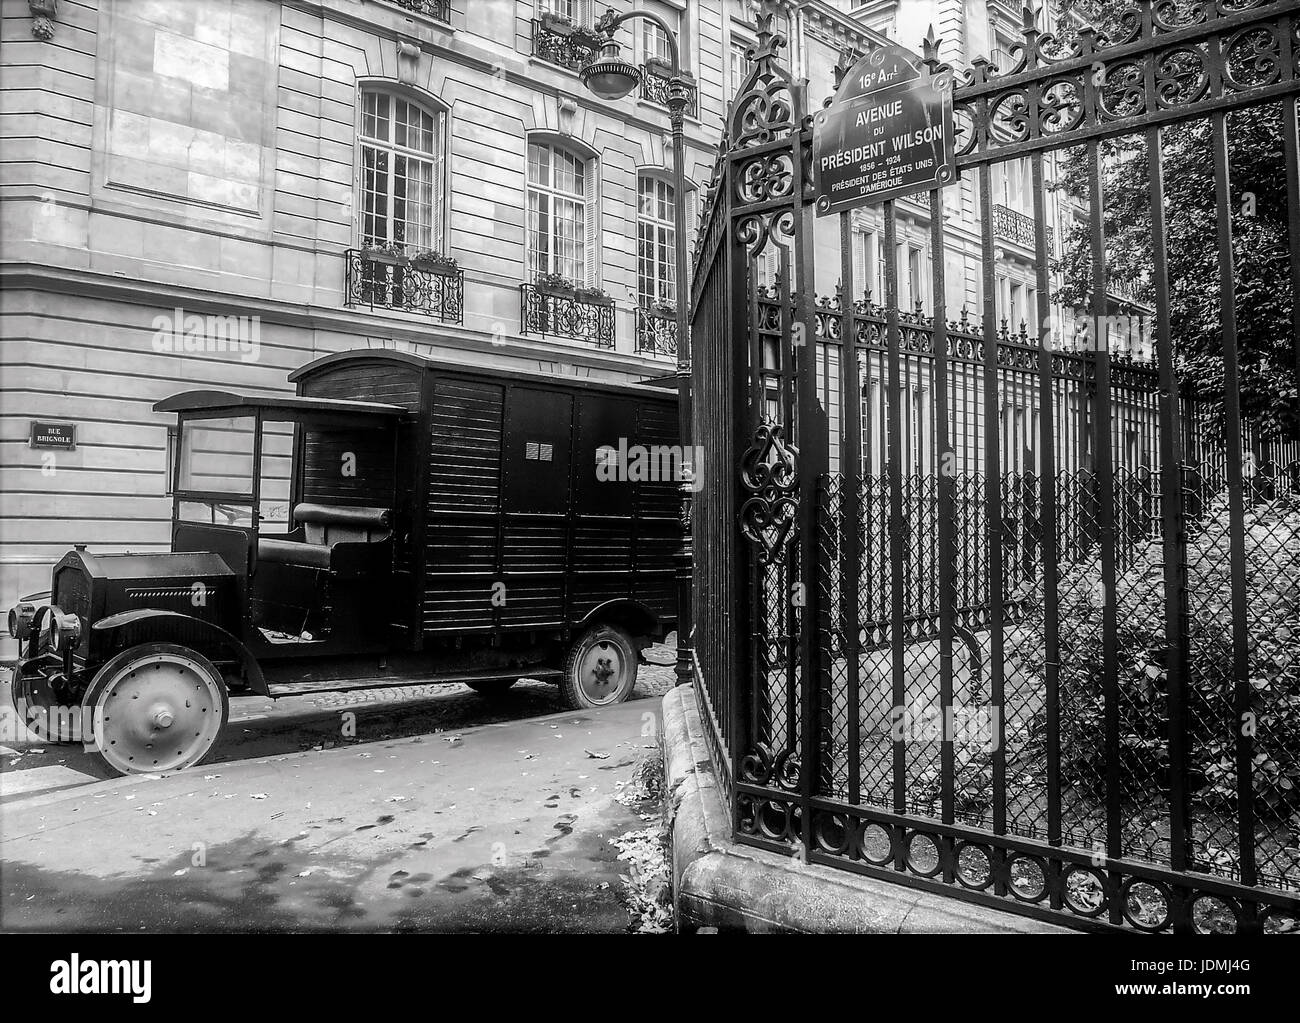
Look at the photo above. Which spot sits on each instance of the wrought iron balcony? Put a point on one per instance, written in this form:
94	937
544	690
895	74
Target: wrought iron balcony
387	282
656	332
561	313
440	9
565	45
1014	226
654	87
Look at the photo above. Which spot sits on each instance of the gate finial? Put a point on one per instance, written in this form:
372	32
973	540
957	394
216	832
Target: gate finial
930	45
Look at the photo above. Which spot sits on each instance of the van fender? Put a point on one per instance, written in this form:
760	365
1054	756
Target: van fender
631	614
168	623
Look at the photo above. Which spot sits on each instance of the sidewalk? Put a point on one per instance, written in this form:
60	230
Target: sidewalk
722	885
500	827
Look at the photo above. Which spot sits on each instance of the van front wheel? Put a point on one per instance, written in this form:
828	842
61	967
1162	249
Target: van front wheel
601	668
156	707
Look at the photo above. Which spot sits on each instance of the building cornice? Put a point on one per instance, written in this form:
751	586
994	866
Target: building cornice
64	282
833	26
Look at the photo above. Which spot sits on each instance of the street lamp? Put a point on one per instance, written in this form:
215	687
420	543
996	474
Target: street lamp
611	77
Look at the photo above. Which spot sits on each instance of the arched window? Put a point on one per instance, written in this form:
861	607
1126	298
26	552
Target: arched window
656	242
561	229
402	191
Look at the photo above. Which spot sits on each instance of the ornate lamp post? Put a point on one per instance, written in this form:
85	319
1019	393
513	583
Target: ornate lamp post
610	77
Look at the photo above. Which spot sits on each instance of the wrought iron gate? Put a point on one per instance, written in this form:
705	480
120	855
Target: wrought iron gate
985	657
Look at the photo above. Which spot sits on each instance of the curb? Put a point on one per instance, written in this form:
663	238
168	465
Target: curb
718	884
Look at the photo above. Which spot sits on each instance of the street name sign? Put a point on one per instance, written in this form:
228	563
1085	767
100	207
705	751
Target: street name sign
60	436
888	132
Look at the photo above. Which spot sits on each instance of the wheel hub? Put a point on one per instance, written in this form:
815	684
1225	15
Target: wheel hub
601	672
163	717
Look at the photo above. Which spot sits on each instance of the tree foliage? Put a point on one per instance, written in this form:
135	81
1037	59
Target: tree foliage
1266	345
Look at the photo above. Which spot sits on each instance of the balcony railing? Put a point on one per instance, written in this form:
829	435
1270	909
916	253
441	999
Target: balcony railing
654	87
1016	227
440	9
386	282
568	46
566	314
656	332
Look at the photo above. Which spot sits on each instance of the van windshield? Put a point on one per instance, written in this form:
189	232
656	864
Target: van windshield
216	456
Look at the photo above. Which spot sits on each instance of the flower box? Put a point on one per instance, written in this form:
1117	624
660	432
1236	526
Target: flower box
560	24
435	262
386	254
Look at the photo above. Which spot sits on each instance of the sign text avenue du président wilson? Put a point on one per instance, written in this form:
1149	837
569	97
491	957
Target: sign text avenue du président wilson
887	133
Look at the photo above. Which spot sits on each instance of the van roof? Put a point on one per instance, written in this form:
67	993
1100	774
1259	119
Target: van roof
290	405
645	387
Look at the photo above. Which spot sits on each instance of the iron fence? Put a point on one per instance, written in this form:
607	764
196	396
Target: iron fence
974	613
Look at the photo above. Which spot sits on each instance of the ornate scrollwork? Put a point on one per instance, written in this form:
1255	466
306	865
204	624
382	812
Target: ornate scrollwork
1123	94
766	177
768	470
766	107
1182	77
1099	79
1252	58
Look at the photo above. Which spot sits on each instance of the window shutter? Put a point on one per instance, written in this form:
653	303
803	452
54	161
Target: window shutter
591	245
439	232
860	280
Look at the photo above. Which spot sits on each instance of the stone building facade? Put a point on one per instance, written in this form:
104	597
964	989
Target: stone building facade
211	194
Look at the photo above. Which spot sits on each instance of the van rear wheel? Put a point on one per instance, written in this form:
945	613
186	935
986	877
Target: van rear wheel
156	707
600	669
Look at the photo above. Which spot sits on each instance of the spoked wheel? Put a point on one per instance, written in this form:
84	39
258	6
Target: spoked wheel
49	709
156	707
601	668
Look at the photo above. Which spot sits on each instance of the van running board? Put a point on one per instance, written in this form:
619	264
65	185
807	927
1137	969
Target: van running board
348	685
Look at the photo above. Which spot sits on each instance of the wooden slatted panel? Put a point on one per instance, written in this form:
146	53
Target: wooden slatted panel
459	605
464	493
602	546
465	449
349	467
384	382
533	544
462	546
658	426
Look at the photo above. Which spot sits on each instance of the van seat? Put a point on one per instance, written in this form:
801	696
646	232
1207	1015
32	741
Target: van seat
327	524
323	526
291	552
